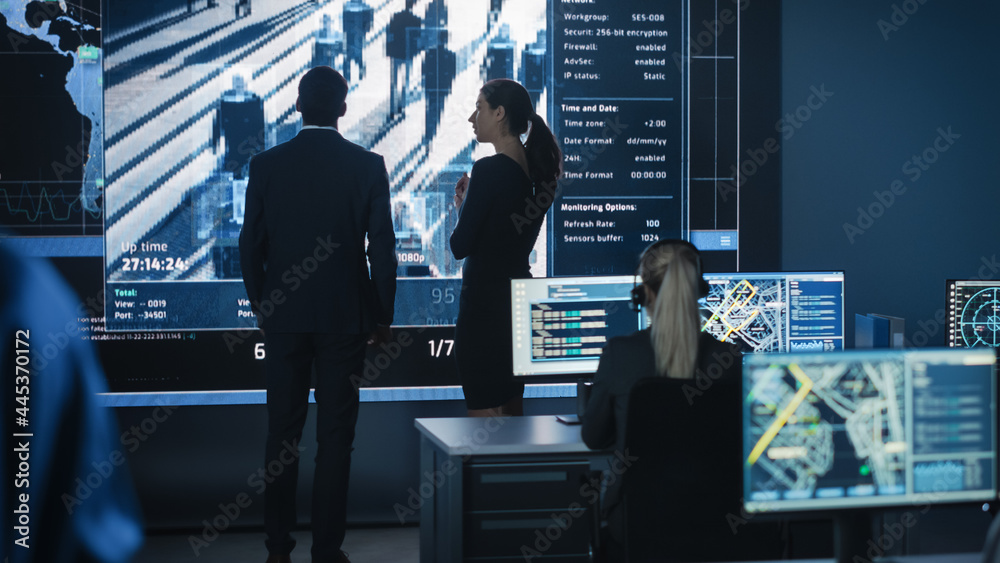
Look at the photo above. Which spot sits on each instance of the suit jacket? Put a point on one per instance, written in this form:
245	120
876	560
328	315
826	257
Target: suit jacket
310	203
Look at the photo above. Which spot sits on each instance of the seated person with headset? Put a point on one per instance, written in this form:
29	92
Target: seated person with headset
673	347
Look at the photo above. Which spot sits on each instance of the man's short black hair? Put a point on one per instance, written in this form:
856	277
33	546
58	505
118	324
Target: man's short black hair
322	92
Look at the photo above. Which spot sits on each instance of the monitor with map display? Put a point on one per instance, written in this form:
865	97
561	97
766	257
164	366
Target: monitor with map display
776	311
866	429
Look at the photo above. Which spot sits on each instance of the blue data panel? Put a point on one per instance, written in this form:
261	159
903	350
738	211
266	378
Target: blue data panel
149	306
561	325
816	314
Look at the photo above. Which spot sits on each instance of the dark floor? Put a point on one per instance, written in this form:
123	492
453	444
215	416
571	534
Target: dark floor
394	544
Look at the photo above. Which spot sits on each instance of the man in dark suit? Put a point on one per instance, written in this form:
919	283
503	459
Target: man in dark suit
310	204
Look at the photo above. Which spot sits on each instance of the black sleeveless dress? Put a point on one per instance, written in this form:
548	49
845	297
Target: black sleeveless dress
497	227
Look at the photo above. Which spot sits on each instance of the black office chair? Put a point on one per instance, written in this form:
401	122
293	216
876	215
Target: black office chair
683	489
991	548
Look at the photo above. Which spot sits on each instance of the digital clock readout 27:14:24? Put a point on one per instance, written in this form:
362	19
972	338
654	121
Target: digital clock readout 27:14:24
152	264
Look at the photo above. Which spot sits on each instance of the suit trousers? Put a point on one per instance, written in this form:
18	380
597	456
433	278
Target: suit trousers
290	360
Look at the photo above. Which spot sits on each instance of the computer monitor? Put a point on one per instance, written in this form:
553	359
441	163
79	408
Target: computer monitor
560	325
869	429
973	313
776	311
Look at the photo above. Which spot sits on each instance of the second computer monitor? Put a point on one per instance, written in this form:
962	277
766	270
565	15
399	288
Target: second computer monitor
865	429
560	325
776	311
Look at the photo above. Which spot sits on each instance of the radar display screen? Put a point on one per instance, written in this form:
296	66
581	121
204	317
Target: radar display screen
973	313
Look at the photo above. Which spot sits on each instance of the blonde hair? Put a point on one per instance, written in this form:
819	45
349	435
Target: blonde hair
672	270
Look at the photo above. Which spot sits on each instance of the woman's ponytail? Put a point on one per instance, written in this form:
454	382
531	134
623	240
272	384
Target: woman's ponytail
672	269
541	148
544	156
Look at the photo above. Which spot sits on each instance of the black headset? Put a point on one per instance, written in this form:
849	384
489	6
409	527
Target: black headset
639	294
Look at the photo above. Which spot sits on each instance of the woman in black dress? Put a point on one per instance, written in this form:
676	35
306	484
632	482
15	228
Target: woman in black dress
501	207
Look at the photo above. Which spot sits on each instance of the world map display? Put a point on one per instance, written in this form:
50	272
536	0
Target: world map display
52	165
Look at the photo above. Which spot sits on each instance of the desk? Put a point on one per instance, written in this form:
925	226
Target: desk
501	489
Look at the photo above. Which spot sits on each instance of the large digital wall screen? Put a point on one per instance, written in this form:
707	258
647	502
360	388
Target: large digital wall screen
192	90
135	122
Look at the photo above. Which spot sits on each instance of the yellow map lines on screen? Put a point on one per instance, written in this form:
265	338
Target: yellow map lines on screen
736	303
745	323
776	426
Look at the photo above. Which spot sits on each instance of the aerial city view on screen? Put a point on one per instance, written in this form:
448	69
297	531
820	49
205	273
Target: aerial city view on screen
154	109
